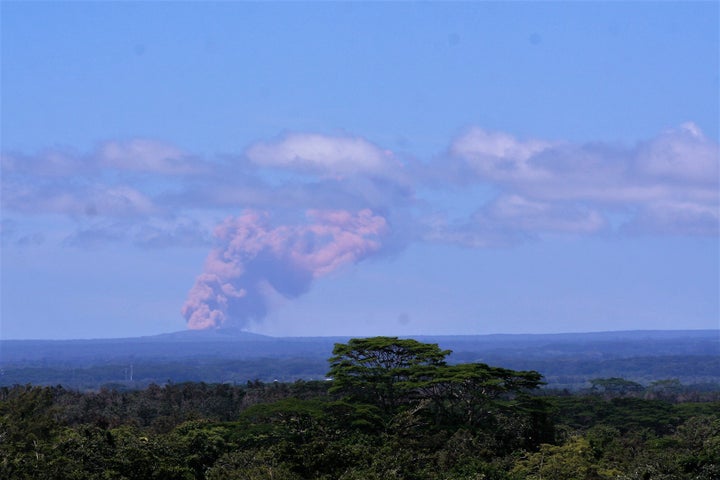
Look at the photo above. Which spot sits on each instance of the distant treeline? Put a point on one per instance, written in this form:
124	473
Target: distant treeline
566	360
142	373
696	373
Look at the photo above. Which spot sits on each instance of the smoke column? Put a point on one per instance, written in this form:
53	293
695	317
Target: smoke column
252	256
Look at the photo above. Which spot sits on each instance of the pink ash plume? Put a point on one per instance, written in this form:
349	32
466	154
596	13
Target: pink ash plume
252	255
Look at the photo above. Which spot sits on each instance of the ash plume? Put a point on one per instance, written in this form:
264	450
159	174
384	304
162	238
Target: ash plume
253	258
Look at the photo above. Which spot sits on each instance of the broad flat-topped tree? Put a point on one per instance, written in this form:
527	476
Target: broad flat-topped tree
382	370
389	372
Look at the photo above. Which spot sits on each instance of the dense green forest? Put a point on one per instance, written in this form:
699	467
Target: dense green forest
392	408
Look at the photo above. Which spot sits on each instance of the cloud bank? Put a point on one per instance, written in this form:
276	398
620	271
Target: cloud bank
487	189
667	185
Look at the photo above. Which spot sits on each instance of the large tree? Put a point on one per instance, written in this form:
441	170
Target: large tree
389	373
384	371
473	391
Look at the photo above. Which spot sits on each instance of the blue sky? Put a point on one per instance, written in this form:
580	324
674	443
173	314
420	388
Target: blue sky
358	168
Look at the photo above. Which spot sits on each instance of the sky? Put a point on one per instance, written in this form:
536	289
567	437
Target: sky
303	169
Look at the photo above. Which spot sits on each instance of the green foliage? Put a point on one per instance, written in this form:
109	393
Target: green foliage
572	461
251	465
200	444
383	370
615	385
625	414
473	393
424	419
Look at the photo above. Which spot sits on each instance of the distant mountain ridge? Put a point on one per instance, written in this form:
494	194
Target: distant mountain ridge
232	334
234	343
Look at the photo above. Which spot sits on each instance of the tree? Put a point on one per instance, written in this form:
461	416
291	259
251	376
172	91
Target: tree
572	461
615	386
251	465
383	371
472	386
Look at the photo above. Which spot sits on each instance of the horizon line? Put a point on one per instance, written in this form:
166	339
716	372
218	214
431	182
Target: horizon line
225	333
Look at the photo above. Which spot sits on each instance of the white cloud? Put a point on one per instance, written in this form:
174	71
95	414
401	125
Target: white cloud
511	219
146	156
519	213
686	218
665	185
314	153
497	155
674	176
680	155
77	200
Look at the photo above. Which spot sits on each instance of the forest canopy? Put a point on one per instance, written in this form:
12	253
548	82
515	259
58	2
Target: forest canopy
392	408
